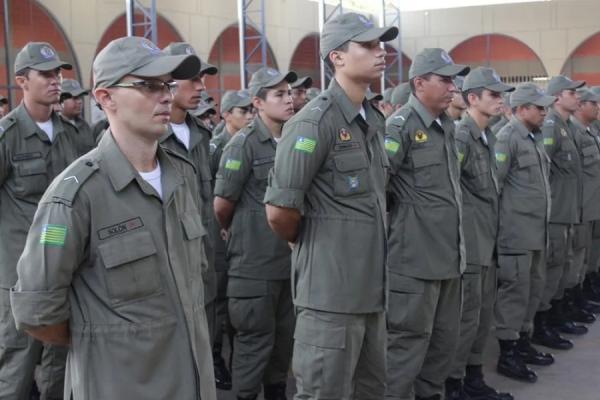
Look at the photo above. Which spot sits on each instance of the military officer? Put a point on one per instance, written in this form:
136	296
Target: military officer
425	280
482	92
259	289
71	100
566	185
236	110
35	146
113	262
299	88
522	173
327	194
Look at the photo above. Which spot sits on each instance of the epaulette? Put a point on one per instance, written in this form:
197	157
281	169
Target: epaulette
399	118
65	190
315	109
66	121
179	156
6	123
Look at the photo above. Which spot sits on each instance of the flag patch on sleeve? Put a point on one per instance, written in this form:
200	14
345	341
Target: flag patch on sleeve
53	235
305	144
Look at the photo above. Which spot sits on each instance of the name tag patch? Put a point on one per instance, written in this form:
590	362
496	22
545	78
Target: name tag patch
119	228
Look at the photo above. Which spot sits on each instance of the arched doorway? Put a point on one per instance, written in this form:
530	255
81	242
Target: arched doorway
584	62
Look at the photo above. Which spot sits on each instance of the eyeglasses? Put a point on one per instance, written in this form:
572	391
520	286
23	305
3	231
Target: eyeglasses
151	86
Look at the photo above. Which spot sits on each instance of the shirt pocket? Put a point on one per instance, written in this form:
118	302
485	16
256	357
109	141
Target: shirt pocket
131	267
31	176
527	163
350	174
481	172
590	155
425	167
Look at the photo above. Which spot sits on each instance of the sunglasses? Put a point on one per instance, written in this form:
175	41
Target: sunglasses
153	86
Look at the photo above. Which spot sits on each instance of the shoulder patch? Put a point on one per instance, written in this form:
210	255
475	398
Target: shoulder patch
66	189
399	118
315	109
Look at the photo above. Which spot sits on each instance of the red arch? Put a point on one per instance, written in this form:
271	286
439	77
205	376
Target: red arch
584	62
31	22
225	55
509	56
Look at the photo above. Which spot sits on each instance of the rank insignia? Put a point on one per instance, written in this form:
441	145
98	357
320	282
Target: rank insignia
345	136
420	136
563	132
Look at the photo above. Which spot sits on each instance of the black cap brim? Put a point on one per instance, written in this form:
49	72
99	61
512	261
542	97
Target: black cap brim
290	77
51	65
208	69
452	70
384	34
577	85
181	67
305	82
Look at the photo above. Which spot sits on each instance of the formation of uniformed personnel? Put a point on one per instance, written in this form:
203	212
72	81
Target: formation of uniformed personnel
113	262
236	111
71	101
258	287
327	194
522	174
299	88
457	106
3	106
425	279
565	218
35	146
482	92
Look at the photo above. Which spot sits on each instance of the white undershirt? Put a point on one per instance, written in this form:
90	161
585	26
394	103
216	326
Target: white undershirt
182	131
154	178
48	128
363	113
484	136
277	139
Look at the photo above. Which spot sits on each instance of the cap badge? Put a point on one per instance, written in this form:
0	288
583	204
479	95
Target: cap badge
345	136
188	50
365	21
271	72
47	52
496	77
446	57
148	45
420	136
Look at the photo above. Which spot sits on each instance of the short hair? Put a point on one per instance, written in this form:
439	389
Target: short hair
23	72
476	91
262	93
342	48
426	76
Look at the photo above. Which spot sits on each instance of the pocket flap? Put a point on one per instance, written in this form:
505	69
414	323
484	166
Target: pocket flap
319	333
192	225
31	167
589	150
350	161
246	288
405	284
425	158
526	160
127	248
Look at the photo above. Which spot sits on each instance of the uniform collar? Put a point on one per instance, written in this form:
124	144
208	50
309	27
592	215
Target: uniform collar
29	126
261	129
424	114
578	124
348	108
196	132
474	129
554	115
519	127
121	172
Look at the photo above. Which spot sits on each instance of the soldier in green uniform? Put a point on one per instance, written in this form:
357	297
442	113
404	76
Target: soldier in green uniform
482	92
3	106
504	117
299	88
327	197
522	173
259	289
71	100
113	262
236	110
426	208
587	144
566	185
35	146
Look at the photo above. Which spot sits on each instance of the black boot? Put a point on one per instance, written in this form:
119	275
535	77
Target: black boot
474	385
222	375
545	335
558	319
581	301
454	390
574	312
590	290
275	391
530	354
511	365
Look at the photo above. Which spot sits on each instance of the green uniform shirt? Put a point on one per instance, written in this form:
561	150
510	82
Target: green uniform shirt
499	125
331	166
523	168
198	155
28	163
84	139
588	145
98	128
124	267
217	144
253	249
479	190
565	171
426	234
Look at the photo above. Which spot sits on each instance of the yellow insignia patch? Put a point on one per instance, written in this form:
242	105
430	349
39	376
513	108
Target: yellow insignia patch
345	136
420	136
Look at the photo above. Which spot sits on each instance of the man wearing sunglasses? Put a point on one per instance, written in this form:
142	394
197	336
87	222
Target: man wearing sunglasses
113	262
35	146
523	170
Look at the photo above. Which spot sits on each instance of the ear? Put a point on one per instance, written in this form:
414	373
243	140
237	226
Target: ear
337	58
104	98
22	82
257	102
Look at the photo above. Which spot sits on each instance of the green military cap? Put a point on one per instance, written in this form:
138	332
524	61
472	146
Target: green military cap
370	95
528	93
3	100
559	83
40	56
183	48
305	82
203	108
207	98
387	94
235	98
138	56
267	77
72	88
487	78
352	27
312	93
437	61
401	94
587	94
596	90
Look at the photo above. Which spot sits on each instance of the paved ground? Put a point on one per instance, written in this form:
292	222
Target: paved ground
574	376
